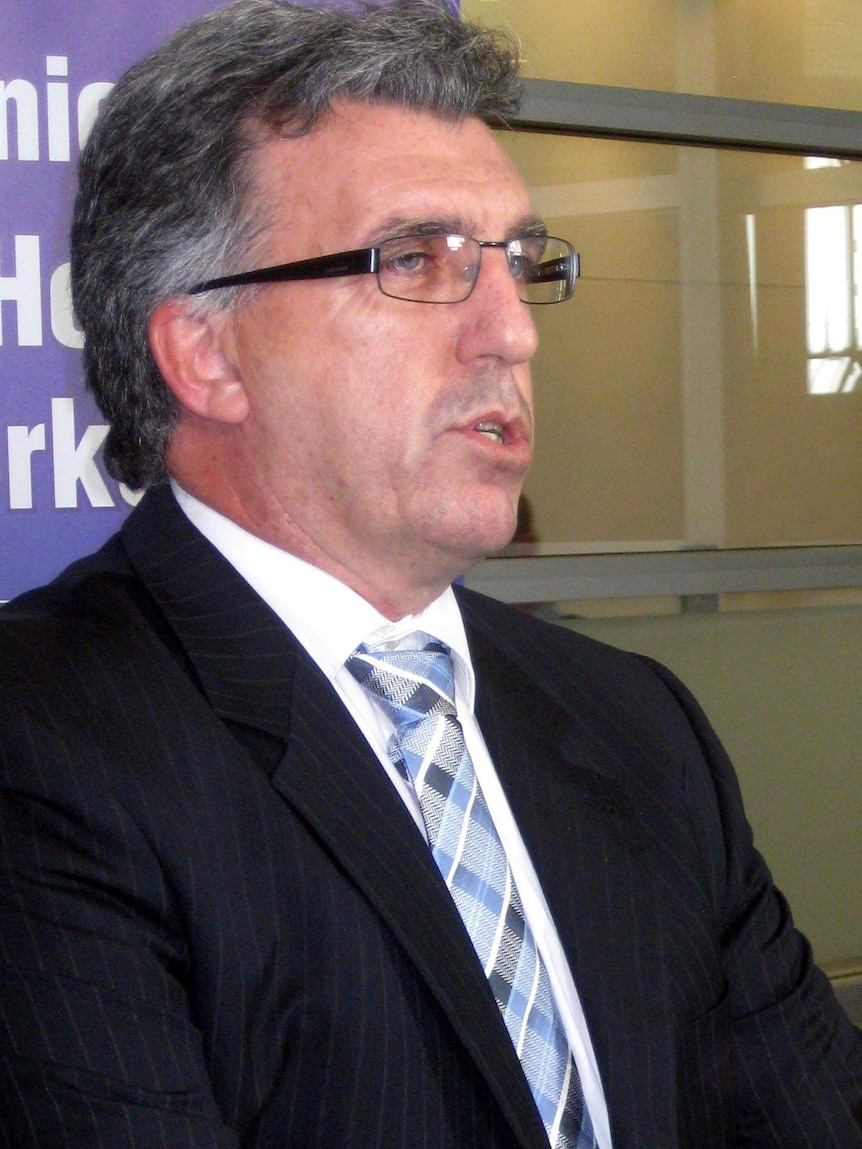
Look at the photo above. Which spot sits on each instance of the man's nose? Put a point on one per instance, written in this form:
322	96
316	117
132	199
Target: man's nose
499	324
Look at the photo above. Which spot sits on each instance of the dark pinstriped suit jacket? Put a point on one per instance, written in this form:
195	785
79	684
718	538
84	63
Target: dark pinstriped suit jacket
219	926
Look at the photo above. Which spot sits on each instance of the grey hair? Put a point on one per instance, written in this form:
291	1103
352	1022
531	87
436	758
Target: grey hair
165	184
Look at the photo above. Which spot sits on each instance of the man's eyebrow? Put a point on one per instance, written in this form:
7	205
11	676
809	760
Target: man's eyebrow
529	225
396	226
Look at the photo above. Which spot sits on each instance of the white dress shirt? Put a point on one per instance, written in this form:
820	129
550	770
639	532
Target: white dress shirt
331	620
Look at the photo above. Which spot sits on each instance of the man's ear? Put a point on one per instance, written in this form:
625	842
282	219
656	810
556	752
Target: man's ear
192	352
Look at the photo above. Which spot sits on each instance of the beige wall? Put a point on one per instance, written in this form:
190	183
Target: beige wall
792	51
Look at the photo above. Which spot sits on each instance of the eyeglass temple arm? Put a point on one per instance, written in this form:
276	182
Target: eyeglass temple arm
567	267
357	262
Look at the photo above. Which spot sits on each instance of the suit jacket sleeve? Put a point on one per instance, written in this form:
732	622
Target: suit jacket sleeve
797	1060
97	1043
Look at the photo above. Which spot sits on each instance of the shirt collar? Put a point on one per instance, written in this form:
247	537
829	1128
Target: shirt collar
325	615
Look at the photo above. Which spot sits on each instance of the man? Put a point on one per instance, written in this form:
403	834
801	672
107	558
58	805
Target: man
255	890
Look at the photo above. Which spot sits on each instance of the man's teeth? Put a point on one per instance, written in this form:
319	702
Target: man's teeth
491	431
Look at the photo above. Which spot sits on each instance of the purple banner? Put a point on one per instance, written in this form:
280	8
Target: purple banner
57	61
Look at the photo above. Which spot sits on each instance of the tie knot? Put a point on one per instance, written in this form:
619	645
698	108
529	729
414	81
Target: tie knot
409	684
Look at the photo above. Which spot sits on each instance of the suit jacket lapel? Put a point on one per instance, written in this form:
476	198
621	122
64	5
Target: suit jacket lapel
594	867
268	691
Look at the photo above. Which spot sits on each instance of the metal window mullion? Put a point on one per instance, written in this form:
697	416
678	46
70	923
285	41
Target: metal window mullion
666	573
674	117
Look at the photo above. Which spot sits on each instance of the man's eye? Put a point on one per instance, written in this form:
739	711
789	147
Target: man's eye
518	265
525	260
524	268
407	262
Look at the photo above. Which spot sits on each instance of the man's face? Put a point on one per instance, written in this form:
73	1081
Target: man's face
366	448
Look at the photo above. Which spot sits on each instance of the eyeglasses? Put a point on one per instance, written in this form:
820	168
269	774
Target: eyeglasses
433	268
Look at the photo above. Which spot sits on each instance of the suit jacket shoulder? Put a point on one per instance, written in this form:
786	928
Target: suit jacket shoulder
680	890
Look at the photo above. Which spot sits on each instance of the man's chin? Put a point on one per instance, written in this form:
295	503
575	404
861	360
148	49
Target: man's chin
471	525
475	545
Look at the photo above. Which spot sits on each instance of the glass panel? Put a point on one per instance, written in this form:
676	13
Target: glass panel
790	51
703	387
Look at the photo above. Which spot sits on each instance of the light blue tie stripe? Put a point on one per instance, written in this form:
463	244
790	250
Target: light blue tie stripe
416	689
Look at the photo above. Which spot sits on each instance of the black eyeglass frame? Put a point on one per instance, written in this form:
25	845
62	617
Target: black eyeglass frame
366	261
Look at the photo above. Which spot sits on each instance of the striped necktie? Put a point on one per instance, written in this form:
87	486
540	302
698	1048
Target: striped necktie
416	689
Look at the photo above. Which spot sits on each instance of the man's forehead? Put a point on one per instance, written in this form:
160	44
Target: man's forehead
384	169
357	136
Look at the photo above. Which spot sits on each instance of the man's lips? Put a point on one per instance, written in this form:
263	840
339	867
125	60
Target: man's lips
499	428
499	433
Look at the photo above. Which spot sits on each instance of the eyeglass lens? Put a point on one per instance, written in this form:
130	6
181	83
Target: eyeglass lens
444	268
